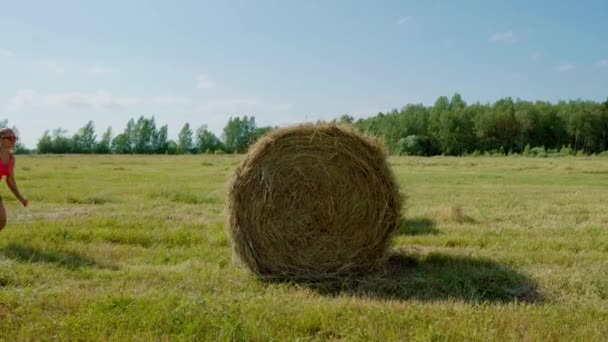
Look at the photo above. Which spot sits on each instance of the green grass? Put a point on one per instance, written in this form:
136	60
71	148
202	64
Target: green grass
134	248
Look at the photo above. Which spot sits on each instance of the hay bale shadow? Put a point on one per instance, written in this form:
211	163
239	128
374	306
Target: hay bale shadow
70	260
435	276
417	226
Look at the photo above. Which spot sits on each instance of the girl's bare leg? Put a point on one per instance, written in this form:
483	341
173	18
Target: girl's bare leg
2	215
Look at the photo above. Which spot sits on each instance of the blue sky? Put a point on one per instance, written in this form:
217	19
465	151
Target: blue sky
63	63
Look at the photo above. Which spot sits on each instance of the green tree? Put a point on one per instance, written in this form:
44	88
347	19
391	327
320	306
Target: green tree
172	147
206	141
604	126
496	126
84	140
238	134
451	125
184	140
143	135
104	146
437	122
129	136
506	128
61	143
160	139
259	132
346	119
414	120
550	130
584	124
414	145
45	143
121	144
527	117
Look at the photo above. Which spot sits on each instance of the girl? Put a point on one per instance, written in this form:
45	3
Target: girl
7	164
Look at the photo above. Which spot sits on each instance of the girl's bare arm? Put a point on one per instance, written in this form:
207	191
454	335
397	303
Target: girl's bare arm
12	184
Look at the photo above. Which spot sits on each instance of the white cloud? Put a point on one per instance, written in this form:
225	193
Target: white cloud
508	36
536	56
204	82
603	63
29	99
565	67
6	53
100	69
403	20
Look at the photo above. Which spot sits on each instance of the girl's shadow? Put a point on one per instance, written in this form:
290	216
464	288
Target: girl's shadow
64	259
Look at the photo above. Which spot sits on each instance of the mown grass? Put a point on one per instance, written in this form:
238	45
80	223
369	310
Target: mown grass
134	248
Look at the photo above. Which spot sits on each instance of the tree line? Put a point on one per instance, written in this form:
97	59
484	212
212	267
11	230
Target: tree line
142	136
449	127
452	127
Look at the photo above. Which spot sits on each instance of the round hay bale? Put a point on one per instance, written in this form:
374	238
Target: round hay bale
313	200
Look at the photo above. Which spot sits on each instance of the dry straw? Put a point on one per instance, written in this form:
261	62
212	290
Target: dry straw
313	200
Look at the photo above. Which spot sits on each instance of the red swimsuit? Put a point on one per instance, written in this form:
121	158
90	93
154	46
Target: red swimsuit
6	170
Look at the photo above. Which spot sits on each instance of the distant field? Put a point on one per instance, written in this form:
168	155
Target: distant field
134	247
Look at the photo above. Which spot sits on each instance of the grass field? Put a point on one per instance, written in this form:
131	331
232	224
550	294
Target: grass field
134	248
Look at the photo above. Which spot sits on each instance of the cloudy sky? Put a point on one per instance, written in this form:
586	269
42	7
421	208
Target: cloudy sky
63	63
